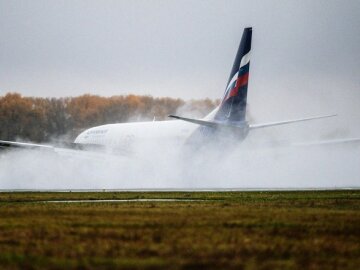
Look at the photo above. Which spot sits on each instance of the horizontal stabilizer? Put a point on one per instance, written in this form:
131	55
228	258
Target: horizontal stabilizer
288	122
207	123
196	121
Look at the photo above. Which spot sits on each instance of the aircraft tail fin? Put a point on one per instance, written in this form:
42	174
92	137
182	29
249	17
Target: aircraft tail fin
233	104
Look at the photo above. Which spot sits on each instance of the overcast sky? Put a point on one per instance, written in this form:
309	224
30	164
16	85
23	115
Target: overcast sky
305	54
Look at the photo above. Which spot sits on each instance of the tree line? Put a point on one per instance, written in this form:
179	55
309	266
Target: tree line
39	119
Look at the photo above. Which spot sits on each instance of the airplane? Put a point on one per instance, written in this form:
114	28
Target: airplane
227	121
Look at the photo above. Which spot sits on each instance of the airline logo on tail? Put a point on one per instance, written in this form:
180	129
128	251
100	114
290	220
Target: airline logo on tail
240	78
233	104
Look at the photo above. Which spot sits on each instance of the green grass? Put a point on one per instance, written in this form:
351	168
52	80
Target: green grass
239	230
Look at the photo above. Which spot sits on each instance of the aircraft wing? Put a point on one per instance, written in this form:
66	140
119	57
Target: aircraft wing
326	142
73	150
21	145
62	148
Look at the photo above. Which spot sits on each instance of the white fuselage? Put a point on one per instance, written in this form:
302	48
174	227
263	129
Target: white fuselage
123	135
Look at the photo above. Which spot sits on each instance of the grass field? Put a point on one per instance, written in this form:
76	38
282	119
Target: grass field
238	230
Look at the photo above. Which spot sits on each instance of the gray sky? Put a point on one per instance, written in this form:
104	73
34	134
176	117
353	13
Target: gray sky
305	62
305	56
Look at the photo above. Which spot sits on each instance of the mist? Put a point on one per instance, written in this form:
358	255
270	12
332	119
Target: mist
265	160
305	62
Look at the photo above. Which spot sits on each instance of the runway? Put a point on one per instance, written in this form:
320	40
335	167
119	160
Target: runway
120	201
182	189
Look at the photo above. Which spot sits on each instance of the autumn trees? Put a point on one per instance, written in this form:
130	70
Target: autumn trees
42	119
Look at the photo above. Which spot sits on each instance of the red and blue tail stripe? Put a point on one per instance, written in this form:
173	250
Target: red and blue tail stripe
233	105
